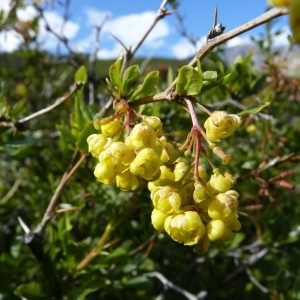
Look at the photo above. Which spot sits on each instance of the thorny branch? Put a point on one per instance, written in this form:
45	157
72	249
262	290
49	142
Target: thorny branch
161	13
57	103
212	43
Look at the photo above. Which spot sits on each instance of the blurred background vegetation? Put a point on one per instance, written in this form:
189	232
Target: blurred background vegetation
132	260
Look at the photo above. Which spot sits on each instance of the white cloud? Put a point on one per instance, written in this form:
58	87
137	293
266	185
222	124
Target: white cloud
239	41
95	17
27	13
10	40
130	28
281	39
184	49
64	29
4	5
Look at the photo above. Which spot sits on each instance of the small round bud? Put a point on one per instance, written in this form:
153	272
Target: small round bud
146	164
219	182
97	143
126	181
158	219
218	231
166	199
221	125
117	156
111	128
223	206
155	123
120	107
141	136
185	227
105	174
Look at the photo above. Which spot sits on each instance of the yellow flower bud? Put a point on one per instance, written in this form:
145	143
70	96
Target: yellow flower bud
224	205
218	231
111	128
105	174
117	156
97	143
158	219
220	125
141	136
166	199
185	227
155	123
126	181
146	164
219	182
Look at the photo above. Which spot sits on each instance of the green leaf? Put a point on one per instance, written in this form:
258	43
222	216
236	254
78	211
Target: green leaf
115	80
81	143
147	88
81	75
32	290
18	107
189	81
210	75
81	114
254	110
131	76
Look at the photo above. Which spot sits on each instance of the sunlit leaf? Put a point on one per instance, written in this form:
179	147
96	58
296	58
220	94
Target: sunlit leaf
147	88
32	290
254	110
81	75
131	76
189	81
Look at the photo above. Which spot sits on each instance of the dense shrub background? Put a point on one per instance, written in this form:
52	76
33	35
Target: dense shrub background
134	261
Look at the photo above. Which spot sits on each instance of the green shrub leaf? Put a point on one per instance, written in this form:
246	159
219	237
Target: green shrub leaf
189	81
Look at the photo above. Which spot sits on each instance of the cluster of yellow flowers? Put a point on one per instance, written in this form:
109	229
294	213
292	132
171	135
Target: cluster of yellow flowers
193	210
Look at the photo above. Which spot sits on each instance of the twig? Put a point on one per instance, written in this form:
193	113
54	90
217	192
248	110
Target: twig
162	12
170	285
58	102
53	202
129	53
93	62
256	282
101	242
212	43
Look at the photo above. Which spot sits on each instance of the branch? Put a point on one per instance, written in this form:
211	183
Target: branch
58	102
50	212
212	43
170	285
161	13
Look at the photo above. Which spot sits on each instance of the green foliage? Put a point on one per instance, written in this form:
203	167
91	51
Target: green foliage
189	81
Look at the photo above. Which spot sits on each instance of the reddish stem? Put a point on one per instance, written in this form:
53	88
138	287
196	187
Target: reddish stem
196	135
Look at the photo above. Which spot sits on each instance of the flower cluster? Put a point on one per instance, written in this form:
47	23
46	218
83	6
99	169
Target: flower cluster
190	206
131	162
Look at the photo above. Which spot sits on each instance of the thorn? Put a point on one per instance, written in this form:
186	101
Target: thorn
23	225
217	28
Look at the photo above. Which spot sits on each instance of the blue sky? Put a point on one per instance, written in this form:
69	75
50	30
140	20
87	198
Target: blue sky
128	20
